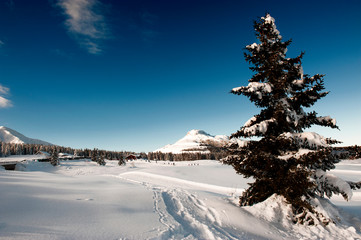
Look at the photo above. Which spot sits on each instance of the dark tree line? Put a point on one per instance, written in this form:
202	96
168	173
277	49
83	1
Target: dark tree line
352	152
186	156
7	149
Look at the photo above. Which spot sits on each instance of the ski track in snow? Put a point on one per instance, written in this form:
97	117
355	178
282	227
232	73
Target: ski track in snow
182	213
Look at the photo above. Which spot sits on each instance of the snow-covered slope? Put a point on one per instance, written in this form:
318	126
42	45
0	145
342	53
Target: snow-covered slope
198	141
9	135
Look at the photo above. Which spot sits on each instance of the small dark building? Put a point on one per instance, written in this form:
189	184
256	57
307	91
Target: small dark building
131	157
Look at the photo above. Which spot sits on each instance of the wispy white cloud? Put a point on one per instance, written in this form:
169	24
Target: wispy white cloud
86	22
4	90
1	43
4	102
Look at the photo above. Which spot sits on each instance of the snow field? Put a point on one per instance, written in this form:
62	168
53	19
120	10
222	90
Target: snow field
188	200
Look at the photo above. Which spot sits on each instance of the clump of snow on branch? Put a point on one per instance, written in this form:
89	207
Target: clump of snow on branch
327	184
250	121
253	46
270	20
296	155
299	82
255	87
261	127
310	140
327	119
294	117
291	115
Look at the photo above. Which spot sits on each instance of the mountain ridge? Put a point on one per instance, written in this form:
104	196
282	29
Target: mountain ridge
9	135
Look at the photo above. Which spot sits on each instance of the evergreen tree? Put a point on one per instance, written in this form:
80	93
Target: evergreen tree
54	158
100	159
94	155
285	160
121	160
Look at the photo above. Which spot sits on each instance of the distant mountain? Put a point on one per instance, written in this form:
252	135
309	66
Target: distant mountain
9	135
198	141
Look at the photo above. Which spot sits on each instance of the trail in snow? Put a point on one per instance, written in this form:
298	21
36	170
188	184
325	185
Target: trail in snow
183	214
159	180
195	218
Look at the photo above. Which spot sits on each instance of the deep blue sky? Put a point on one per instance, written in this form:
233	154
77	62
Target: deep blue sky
136	75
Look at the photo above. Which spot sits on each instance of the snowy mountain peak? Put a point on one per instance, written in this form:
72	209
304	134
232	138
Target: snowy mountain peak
9	135
195	132
198	141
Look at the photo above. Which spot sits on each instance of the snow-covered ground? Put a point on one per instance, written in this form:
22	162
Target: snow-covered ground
20	158
158	200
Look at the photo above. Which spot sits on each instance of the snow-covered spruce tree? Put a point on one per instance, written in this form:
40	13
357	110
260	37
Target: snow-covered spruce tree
286	160
100	159
54	158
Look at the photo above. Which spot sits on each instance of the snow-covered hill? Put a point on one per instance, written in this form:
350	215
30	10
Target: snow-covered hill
198	141
9	135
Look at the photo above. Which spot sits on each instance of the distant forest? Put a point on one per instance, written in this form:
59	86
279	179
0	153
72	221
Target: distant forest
8	149
187	156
